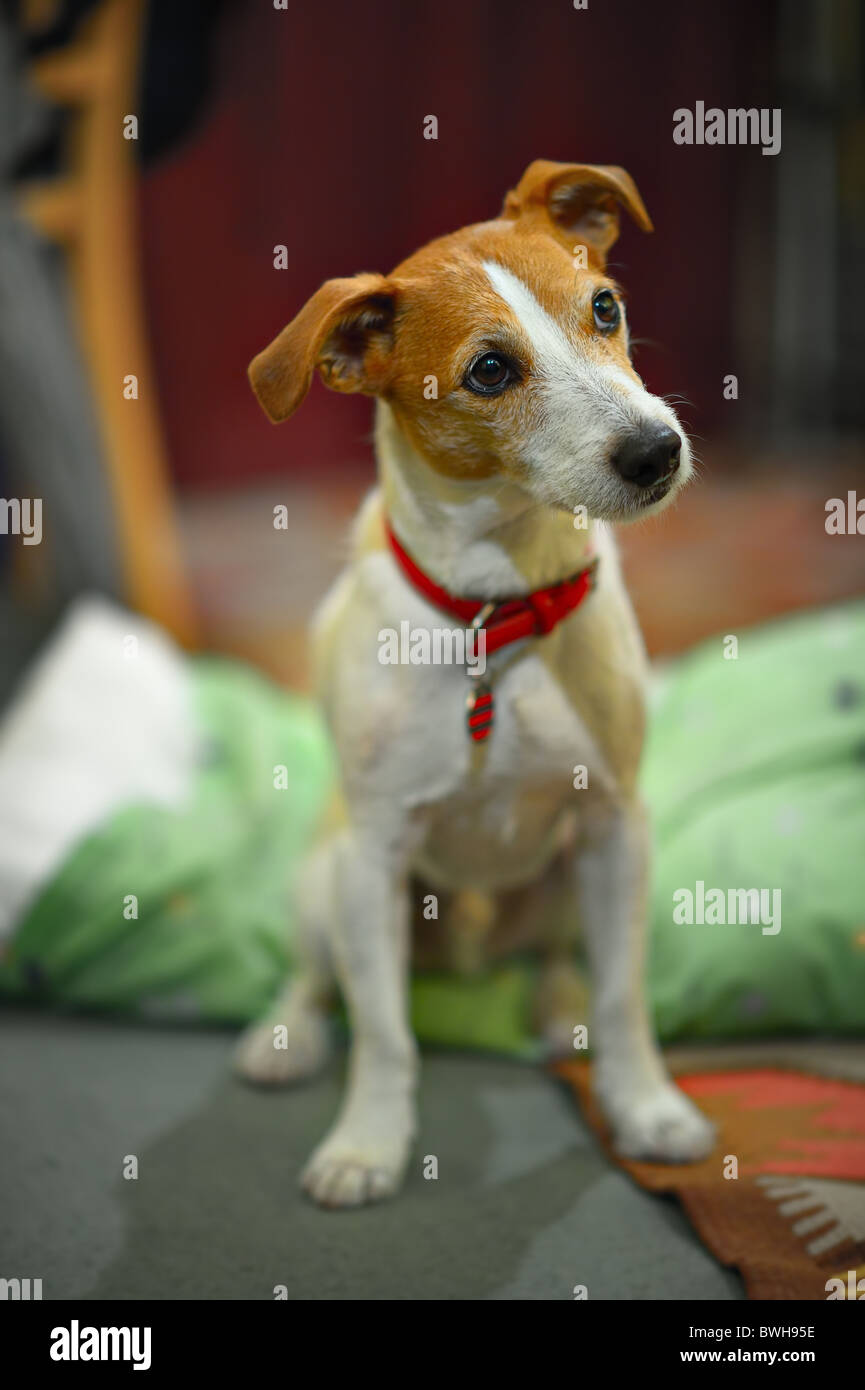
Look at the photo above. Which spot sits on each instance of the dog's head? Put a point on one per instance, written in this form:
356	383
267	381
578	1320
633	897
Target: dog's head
502	350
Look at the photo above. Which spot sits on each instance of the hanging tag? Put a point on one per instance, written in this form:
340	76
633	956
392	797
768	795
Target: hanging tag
480	709
480	712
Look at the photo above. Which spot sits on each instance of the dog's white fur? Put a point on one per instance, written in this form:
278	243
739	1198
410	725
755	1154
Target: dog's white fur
501	819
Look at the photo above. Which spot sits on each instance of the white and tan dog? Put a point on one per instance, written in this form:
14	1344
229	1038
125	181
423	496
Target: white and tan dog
507	410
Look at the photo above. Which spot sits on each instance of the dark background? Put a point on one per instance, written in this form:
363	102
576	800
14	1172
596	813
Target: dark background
309	132
304	127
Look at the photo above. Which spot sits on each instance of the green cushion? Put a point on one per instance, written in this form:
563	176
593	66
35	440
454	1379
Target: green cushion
213	881
755	775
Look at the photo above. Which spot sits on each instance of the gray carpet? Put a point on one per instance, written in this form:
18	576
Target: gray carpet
525	1205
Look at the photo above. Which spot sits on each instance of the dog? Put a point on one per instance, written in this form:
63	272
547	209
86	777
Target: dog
511	430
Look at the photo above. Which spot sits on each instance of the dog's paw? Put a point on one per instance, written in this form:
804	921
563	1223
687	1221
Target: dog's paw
280	1051
663	1127
343	1173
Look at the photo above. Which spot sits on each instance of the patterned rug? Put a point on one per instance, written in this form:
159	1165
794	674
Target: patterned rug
783	1196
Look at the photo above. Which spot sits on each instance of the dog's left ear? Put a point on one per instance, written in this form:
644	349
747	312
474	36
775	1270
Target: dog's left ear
345	330
579	203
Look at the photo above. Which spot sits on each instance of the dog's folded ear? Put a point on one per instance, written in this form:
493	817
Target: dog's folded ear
345	330
579	203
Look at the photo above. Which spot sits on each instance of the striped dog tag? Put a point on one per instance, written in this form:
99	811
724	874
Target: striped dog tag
480	712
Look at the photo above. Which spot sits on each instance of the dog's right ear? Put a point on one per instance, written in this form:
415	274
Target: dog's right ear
345	330
577	202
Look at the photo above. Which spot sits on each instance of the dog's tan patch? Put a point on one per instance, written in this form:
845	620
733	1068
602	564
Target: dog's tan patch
448	313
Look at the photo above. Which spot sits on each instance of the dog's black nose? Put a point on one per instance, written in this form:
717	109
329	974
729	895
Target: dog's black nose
648	456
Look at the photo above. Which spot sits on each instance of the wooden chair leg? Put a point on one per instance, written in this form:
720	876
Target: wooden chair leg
92	211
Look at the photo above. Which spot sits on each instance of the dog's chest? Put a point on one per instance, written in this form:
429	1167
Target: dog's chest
492	811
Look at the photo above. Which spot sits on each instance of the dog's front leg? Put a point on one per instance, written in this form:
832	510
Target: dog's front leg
364	1156
650	1117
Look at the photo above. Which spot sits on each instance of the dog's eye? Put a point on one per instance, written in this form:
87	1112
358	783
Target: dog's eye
606	311
489	374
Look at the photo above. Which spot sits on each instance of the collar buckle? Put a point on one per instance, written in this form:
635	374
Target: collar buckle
480	620
483	615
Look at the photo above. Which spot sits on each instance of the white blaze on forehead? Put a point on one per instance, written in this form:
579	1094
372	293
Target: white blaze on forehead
566	447
554	354
557	359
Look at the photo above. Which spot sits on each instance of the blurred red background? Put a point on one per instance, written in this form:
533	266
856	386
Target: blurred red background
303	127
313	138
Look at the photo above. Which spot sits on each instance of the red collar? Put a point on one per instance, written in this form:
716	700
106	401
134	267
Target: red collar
504	620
